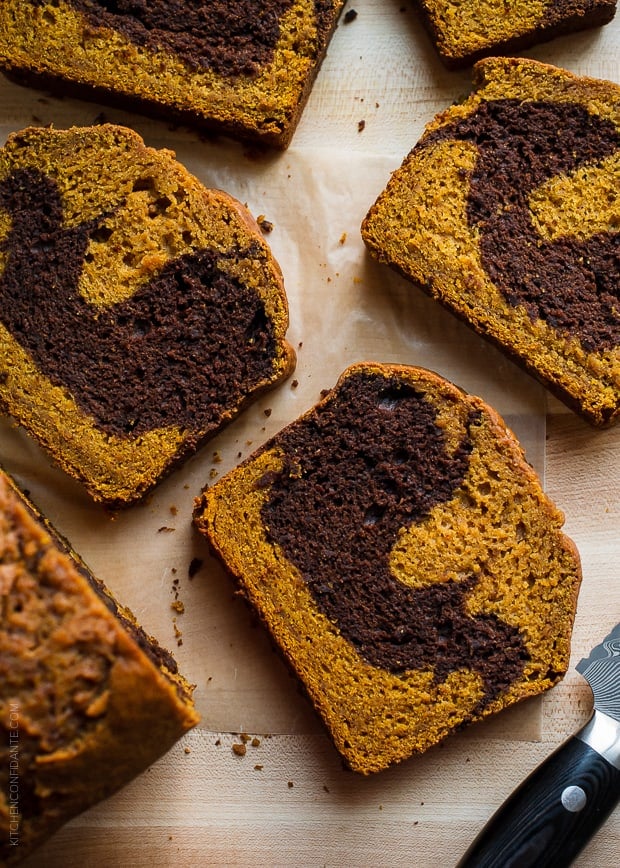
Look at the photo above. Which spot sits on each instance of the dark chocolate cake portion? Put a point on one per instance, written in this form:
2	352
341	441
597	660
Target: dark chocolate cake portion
229	38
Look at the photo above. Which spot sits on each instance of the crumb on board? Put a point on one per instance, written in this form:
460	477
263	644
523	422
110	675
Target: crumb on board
194	567
178	635
239	748
178	606
349	16
361	125
265	225
342	238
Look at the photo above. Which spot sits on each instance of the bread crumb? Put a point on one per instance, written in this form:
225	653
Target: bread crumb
360	126
194	566
239	749
177	633
350	15
178	606
265	225
342	238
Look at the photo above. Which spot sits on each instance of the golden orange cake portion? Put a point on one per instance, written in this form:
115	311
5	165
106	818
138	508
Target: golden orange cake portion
470	29
507	212
87	699
244	69
404	557
139	311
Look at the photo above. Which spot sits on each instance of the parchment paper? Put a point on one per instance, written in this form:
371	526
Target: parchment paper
343	308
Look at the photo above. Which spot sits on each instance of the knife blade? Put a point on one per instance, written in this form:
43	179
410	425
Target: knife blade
552	815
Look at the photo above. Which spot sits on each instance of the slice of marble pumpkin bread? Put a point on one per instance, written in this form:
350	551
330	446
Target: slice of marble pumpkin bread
243	68
507	212
139	311
468	30
402	553
87	699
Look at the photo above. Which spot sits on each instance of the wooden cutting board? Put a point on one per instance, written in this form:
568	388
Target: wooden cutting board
288	801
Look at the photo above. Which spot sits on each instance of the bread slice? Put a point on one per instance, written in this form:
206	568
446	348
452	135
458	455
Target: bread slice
507	212
404	557
466	31
87	699
244	69
139	311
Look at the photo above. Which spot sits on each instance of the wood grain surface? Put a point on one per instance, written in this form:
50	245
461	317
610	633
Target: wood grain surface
288	801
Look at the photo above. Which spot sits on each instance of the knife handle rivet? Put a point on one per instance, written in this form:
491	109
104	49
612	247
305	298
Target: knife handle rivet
574	799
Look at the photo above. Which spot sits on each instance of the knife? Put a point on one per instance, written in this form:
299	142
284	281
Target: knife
548	820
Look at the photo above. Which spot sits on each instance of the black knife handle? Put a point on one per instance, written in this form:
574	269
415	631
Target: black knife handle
546	822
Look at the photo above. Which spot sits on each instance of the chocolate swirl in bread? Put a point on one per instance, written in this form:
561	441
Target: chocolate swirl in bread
189	312
383	465
229	38
571	284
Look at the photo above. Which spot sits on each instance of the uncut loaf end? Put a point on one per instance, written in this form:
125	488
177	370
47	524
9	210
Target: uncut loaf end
87	699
